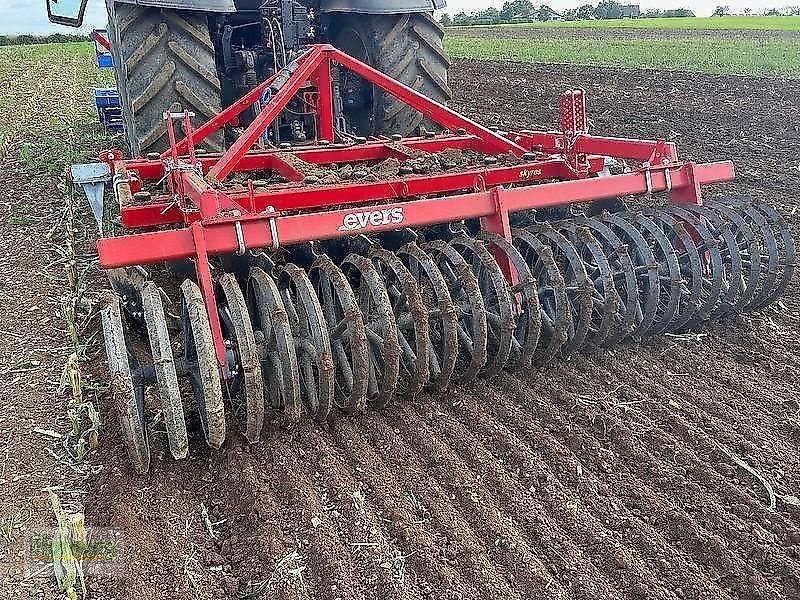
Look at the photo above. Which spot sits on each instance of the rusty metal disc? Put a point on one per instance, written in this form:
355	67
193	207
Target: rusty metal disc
669	271
381	328
579	288
164	366
127	284
411	318
245	387
311	341
749	251
787	251
645	271
712	273
623	277
554	306
462	284
608	311
496	300
689	263
731	276
767	250
201	362
347	333
525	300
441	314
273	334
128	399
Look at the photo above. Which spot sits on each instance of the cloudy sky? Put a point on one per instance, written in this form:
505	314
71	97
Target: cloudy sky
30	16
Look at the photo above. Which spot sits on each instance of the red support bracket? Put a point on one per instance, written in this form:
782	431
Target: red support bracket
443	116
229	115
206	283
691	193
500	224
325	104
574	124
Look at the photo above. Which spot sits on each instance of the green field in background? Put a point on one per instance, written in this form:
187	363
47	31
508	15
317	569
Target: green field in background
751	23
715	55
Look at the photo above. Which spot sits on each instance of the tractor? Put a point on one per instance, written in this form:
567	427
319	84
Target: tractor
205	54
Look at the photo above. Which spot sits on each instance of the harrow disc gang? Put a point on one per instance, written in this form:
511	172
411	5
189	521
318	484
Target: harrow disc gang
434	314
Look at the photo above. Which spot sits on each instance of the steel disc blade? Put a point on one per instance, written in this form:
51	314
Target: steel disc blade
442	318
669	271
689	264
554	306
166	374
245	387
127	284
767	250
411	318
201	362
623	277
580	290
277	354
468	302
787	251
609	321
712	274
749	248
129	402
496	299
381	328
645	272
312	344
347	333
731	279
526	310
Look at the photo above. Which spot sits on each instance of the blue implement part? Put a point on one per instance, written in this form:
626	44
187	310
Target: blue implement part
109	108
105	61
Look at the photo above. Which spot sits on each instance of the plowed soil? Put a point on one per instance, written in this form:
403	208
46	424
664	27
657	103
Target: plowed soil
666	469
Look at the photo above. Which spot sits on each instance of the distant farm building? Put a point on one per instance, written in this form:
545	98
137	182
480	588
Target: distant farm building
630	11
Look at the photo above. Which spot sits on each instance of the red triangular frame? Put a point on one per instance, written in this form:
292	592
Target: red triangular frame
315	66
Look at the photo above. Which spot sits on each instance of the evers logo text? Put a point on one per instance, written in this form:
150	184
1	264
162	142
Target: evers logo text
373	218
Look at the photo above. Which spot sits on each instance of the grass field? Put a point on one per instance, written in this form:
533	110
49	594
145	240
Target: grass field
24	86
737	22
708	55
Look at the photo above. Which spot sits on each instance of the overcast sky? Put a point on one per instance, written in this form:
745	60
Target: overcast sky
30	16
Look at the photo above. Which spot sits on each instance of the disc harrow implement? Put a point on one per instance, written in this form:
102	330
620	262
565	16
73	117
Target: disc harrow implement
340	274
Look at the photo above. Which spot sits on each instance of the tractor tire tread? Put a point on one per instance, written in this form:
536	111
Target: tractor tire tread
167	62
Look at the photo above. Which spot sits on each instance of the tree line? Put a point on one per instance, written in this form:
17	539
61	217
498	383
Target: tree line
54	38
524	11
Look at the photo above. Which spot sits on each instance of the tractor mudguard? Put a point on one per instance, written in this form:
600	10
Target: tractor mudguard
218	6
381	7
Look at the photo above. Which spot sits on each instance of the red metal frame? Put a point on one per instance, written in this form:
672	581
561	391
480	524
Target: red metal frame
210	215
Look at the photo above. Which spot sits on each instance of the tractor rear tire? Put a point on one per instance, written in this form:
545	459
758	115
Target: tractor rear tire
164	62
407	47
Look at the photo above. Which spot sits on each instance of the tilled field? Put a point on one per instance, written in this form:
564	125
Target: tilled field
667	469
